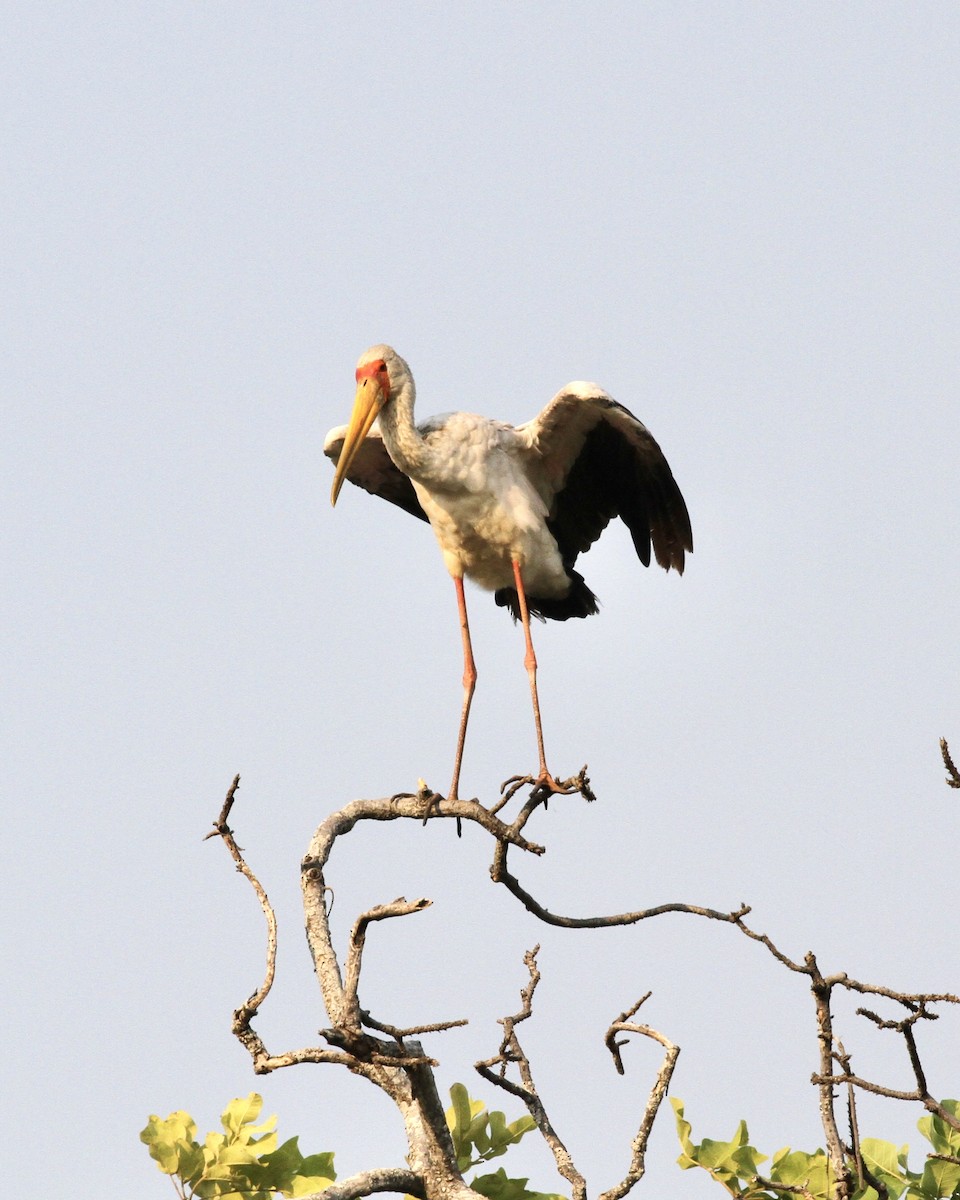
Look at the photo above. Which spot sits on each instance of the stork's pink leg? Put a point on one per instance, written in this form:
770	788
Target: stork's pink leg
469	684
530	662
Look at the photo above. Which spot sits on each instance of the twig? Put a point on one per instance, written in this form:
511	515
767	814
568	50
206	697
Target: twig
264	1062
843	1185
954	780
658	1092
511	1052
500	874
864	1174
790	1189
400	907
220	824
245	1014
411	1031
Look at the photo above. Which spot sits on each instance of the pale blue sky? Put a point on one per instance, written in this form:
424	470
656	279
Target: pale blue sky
740	219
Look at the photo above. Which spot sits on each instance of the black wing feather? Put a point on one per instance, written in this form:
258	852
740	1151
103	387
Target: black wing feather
375	471
620	471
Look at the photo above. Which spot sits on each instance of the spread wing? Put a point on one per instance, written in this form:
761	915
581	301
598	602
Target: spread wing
375	471
593	460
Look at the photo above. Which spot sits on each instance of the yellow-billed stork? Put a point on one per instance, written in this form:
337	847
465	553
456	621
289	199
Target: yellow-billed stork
512	506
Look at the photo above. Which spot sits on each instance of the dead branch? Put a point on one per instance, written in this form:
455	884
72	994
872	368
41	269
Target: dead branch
412	1030
841	1056
822	988
367	1183
617	1026
264	1063
500	874
658	1093
843	1177
578	784
245	1014
918	1094
954	775
398	1066
511	1053
401	907
788	1189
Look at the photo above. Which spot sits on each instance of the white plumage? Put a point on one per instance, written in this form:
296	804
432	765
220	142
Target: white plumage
513	507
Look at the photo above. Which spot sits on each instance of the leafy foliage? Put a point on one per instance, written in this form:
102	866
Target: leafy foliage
479	1136
243	1162
735	1165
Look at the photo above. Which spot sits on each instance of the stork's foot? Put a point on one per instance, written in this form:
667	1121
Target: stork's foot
432	800
546	785
429	798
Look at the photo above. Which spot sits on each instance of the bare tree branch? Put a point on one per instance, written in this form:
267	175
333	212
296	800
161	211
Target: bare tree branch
843	1179
401	907
843	1059
788	1189
244	1015
954	780
658	1092
500	874
413	1030
366	1183
511	1053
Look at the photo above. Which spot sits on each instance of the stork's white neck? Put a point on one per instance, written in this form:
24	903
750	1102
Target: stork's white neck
404	442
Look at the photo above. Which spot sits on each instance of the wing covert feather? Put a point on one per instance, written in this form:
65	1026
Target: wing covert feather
595	461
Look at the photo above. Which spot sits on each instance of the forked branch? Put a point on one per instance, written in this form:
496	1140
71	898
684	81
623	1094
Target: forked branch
658	1092
511	1053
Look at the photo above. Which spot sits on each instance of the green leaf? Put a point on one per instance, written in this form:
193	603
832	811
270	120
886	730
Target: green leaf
235	1165
241	1112
500	1138
479	1135
728	1162
171	1143
684	1129
179	1126
736	1156
886	1163
797	1168
461	1113
279	1167
939	1178
943	1137
236	1153
319	1164
499	1187
304	1185
264	1145
193	1162
521	1127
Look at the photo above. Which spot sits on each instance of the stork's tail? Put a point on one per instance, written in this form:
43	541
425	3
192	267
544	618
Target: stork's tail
578	602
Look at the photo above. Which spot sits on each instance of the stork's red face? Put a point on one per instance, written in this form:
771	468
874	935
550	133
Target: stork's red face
373	391
376	370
